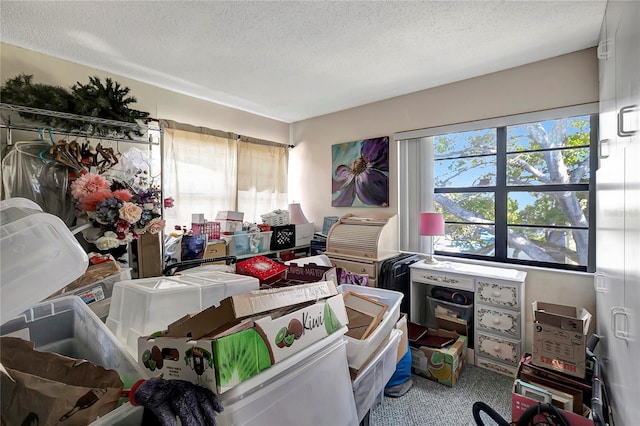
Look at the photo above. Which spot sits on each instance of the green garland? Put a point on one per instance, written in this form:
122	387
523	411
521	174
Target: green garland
107	100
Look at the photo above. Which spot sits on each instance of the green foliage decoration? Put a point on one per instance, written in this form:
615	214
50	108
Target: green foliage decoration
108	100
21	90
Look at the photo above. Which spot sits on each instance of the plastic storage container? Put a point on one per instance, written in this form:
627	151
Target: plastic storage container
39	256
311	388
240	244
368	387
68	327
450	309
98	294
358	351
144	306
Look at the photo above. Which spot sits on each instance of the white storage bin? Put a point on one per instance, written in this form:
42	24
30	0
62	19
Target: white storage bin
39	256
144	306
368	387
358	351
68	327
311	388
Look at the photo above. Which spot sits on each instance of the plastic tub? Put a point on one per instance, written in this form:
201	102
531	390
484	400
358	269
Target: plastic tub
358	351
39	256
368	387
311	388
240	244
144	306
68	327
450	309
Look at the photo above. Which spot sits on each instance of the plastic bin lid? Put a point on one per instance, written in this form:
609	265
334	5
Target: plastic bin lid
39	256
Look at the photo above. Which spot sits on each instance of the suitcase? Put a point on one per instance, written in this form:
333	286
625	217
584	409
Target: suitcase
394	275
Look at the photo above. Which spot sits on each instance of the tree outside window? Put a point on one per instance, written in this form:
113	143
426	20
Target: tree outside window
517	193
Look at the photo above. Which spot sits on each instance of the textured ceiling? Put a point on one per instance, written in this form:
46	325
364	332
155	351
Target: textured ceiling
291	60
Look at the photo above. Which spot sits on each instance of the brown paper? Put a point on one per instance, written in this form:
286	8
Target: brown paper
50	389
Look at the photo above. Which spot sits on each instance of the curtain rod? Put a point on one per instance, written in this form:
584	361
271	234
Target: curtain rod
170	124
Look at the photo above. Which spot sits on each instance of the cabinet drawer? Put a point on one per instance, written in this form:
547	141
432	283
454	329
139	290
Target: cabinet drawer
498	348
438	278
356	267
497	320
497	294
507	370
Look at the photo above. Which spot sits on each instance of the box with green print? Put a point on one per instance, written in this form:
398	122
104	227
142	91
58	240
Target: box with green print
244	348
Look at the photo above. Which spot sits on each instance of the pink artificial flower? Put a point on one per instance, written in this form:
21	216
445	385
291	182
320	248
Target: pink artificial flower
130	212
90	201
123	194
88	184
156	225
168	202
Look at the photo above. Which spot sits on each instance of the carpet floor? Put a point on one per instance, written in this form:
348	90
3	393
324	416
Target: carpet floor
430	403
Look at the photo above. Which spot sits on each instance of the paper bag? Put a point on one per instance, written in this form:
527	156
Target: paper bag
50	389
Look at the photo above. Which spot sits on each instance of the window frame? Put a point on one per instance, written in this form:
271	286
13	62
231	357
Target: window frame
410	210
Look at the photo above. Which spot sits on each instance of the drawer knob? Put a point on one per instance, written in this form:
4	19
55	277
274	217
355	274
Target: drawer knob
496	348
495	293
496	321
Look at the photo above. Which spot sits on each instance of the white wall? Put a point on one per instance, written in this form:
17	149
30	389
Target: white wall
566	80
160	103
562	81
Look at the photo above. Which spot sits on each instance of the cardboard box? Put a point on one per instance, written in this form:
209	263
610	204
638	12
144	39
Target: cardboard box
311	273
560	337
304	233
442	365
149	255
230	215
404	339
265	269
240	306
244	349
229	226
216	249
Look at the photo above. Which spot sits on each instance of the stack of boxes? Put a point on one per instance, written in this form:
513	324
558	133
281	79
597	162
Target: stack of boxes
557	371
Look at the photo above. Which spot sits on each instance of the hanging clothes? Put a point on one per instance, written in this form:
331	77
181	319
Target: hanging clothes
28	173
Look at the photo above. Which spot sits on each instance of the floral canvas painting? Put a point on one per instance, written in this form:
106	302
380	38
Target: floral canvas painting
361	173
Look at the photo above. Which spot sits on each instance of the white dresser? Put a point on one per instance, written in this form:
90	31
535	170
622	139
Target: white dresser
498	308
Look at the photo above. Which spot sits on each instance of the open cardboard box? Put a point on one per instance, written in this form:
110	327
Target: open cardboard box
443	365
226	345
560	337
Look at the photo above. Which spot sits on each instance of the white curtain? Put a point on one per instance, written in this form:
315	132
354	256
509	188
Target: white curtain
199	172
262	179
208	170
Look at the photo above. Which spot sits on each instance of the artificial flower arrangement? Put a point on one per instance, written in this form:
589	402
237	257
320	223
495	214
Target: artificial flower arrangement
119	211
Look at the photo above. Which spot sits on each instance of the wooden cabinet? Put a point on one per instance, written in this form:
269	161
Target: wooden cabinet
498	308
361	244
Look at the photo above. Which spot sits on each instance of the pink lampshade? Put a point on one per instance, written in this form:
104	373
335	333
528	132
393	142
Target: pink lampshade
296	217
431	224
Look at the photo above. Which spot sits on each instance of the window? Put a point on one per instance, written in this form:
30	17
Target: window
519	190
207	170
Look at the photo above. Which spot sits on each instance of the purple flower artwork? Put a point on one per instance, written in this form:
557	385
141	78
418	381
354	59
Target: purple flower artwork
361	173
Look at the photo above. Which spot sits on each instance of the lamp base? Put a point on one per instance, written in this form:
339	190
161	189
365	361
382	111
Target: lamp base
430	259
